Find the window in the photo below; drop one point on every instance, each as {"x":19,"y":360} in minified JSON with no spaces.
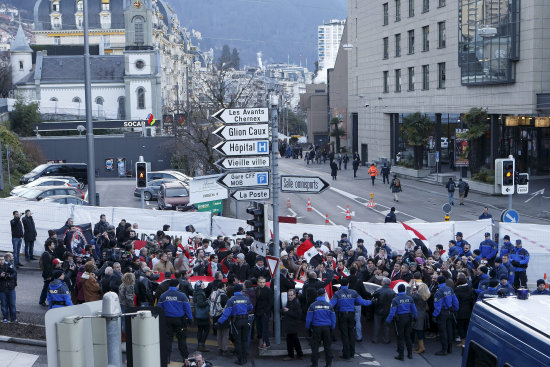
{"x":78,"y":21}
{"x":140,"y":64}
{"x":398,"y":45}
{"x":478,"y":355}
{"x":397,"y":10}
{"x":121,"y":112}
{"x":442,"y":3}
{"x":99,"y":100}
{"x":53,"y":99}
{"x":56,"y":22}
{"x":386,"y":13}
{"x":21,"y":65}
{"x":411,"y":42}
{"x":140,"y":98}
{"x":441,"y":75}
{"x":411,"y":78}
{"x":441,"y":32}
{"x":77,"y":100}
{"x":105,"y":20}
{"x":425,"y":77}
{"x":55,"y":6}
{"x":425,"y":6}
{"x":57,"y":40}
{"x":425,"y":38}
{"x":411,"y":8}
{"x":386,"y":47}
{"x":79,"y":5}
{"x":386,"y":82}
{"x":139,"y":35}
{"x":397,"y":80}
{"x":105,"y":6}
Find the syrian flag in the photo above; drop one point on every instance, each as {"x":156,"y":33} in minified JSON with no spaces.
{"x":415,"y":235}
{"x":307,"y":250}
{"x":329,"y":293}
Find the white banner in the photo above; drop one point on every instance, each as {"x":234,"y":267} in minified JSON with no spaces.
{"x":227,"y":226}
{"x":328,"y":233}
{"x":534,"y":238}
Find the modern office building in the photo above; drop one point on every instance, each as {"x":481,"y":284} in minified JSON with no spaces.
{"x":329,"y":35}
{"x":441,"y":58}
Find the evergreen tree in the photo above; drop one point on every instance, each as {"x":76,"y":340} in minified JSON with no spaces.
{"x":235,"y":59}
{"x":224,"y":61}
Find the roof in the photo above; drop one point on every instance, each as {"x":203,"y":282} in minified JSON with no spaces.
{"x":69,"y":69}
{"x":42,"y":20}
{"x":20,"y":43}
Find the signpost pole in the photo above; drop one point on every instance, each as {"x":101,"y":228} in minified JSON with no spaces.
{"x":276,"y":247}
{"x":88,"y":104}
{"x":509,"y":201}
{"x":142,"y":199}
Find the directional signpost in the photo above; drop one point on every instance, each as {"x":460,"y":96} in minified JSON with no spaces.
{"x":230,"y":163}
{"x":251,"y":194}
{"x":243,"y":147}
{"x":244,"y":179}
{"x":509,"y":216}
{"x":248,"y":131}
{"x":242,"y":115}
{"x":303,"y":184}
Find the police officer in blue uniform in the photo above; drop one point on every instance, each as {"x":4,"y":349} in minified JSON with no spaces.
{"x":58,"y":293}
{"x":321,"y":319}
{"x":519,"y":257}
{"x":176,"y":309}
{"x":445,"y":302}
{"x":507,"y":246}
{"x":237,"y":308}
{"x":541,"y":288}
{"x":488,"y":249}
{"x":404,"y":312}
{"x":490,"y":292}
{"x":344,"y":302}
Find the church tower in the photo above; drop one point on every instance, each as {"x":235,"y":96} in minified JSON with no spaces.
{"x":21,"y":57}
{"x":142,"y":63}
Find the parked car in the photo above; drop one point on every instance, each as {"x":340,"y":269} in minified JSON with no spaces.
{"x":76,"y":170}
{"x":173,"y":175}
{"x":152,"y":190}
{"x":173,"y":196}
{"x":48,"y":181}
{"x":65,"y":199}
{"x":41,"y":192}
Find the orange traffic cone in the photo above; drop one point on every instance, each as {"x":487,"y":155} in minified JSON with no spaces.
{"x":288,"y":203}
{"x":309,"y":205}
{"x":348,"y":214}
{"x":545,"y":281}
{"x":327,"y":221}
{"x":371,"y":203}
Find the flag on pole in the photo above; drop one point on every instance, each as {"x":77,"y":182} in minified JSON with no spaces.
{"x":307,"y":249}
{"x":151,"y":120}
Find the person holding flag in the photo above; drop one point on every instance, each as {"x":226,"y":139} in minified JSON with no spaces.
{"x":344,"y":302}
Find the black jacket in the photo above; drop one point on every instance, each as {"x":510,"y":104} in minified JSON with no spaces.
{"x":9,"y":280}
{"x":46,"y":258}
{"x":241,"y":272}
{"x":100,"y":227}
{"x":466,"y":300}
{"x":16,"y":228}
{"x":30,"y":229}
{"x":144,"y":291}
{"x":264,"y":301}
{"x":256,"y":272}
{"x":292,"y":318}
{"x":285,"y":284}
{"x":383,"y":297}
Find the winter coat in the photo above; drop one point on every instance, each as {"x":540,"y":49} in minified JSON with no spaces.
{"x":30,"y":229}
{"x":421,"y":307}
{"x":90,"y":287}
{"x":201,"y":307}
{"x":16,"y":228}
{"x":333,"y":169}
{"x":47,"y":258}
{"x":79,"y":288}
{"x":394,"y":187}
{"x":9,"y":280}
{"x":126,"y":295}
{"x":164,"y":267}
{"x":264,"y":301}
{"x":466,"y":300}
{"x":292,"y":318}
{"x":383,"y":297}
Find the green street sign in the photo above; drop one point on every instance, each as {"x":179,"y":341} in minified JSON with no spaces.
{"x":215,"y":207}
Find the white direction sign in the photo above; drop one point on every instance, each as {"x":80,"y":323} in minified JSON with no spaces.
{"x":243,"y":162}
{"x":252,"y":194}
{"x":242,"y":115}
{"x":244,"y":179}
{"x":247,"y":131}
{"x":206,"y":188}
{"x":305,"y":184}
{"x":243,"y":147}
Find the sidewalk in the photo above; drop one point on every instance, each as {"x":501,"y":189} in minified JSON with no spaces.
{"x":10,"y":358}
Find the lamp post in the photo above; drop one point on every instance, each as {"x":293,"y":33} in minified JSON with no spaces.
{"x":88,"y":104}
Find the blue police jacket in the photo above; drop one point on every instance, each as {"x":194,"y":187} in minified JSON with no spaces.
{"x":402,"y":304}
{"x":238,"y":305}
{"x":58,"y":294}
{"x":345,"y":299}
{"x":175,"y":303}
{"x":507,"y":249}
{"x":455,"y":251}
{"x":484,"y":280}
{"x":488,"y":293}
{"x":461,"y":243}
{"x":508,"y":288}
{"x":522,"y":257}
{"x":320,"y":313}
{"x":469,"y":253}
{"x":510,"y":271}
{"x":444,"y":299}
{"x":501,"y":271}
{"x":537,"y":292}
{"x":488,"y":249}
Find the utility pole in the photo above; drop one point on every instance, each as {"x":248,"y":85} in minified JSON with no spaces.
{"x":276,"y":247}
{"x":1,"y":168}
{"x":88,"y":104}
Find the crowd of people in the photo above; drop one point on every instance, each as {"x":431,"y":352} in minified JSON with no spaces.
{"x":224,"y":287}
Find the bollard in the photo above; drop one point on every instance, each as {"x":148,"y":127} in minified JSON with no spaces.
{"x":145,"y":340}
{"x":110,"y":311}
{"x":70,"y":342}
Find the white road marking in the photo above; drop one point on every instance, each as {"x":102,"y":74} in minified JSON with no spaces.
{"x":292,"y":212}
{"x":322,"y":215}
{"x":541,"y":192}
{"x":366,"y":355}
{"x":371,"y":363}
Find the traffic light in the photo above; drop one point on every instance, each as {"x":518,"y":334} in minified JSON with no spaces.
{"x":141,"y":174}
{"x":258,"y":222}
{"x":508,"y":176}
{"x":522,"y":182}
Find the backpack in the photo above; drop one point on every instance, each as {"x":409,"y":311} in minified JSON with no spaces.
{"x":216,"y":308}
{"x":396,"y":182}
{"x":452,"y":186}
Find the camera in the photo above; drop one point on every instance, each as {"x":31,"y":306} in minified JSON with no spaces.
{"x":192,"y":362}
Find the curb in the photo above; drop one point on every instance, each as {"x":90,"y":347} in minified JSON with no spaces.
{"x":34,"y":342}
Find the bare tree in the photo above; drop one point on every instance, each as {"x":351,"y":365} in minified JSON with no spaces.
{"x":5,"y":77}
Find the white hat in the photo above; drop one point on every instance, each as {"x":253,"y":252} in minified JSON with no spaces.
{"x":284,"y":253}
